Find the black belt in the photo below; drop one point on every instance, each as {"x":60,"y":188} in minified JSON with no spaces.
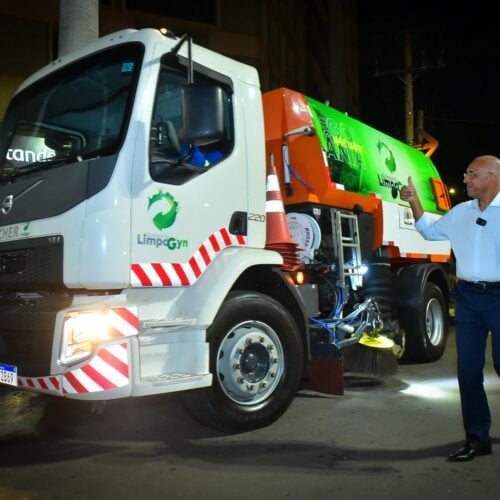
{"x":482,"y":285}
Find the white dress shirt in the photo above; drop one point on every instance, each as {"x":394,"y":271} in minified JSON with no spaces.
{"x":476,"y":247}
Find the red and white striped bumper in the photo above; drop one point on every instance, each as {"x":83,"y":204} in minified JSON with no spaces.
{"x":107,"y":370}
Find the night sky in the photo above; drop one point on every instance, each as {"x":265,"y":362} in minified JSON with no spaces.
{"x":456,"y":59}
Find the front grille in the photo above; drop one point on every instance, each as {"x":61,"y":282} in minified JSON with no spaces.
{"x":32,"y":264}
{"x":12,"y":263}
{"x":26,"y":330}
{"x":31,"y":293}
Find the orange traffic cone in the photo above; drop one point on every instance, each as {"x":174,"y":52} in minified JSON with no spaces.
{"x":278,"y":234}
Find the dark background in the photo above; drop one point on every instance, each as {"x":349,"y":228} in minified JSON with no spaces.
{"x":456,"y":55}
{"x":349,"y":52}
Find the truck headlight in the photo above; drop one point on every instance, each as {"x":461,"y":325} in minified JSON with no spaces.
{"x":82,"y":331}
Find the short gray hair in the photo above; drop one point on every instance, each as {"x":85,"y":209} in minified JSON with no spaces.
{"x":491,"y":161}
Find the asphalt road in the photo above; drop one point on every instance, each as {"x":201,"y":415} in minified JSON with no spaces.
{"x":384,"y":439}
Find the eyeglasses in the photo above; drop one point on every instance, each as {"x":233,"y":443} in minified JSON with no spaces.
{"x":473,"y":174}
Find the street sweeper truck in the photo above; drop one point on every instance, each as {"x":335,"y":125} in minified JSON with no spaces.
{"x":166,"y":228}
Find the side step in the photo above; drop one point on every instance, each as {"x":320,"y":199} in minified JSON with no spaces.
{"x":171,"y":382}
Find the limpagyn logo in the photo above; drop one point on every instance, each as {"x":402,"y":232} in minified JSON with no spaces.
{"x":166,"y":208}
{"x":163,"y":219}
{"x":391,"y":183}
{"x":390,"y":164}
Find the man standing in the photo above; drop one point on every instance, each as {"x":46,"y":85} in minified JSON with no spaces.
{"x":473,"y":229}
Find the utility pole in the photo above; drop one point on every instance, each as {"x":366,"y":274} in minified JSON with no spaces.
{"x":78,"y":24}
{"x":425,"y":141}
{"x":409,"y":116}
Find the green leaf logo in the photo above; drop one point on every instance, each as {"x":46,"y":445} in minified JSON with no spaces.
{"x":162,"y":220}
{"x":389,"y":160}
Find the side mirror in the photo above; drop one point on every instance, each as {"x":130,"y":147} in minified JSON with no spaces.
{"x":203,"y":116}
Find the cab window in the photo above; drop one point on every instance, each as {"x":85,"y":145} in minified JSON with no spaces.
{"x":174,"y":156}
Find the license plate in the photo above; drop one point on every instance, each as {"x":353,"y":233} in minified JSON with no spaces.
{"x":8,"y":375}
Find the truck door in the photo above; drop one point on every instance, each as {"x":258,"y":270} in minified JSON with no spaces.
{"x":189,"y":198}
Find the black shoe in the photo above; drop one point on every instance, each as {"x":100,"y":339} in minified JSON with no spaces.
{"x":470,"y":450}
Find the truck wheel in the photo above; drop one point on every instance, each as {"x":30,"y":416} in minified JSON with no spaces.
{"x":427,"y":327}
{"x":256,"y":357}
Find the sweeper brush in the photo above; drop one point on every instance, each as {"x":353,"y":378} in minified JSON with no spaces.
{"x":373,"y":355}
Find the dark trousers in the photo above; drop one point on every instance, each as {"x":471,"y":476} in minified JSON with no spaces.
{"x":477,"y":313}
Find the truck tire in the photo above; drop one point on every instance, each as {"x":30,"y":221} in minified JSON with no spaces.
{"x":256,"y":358}
{"x":426,"y":327}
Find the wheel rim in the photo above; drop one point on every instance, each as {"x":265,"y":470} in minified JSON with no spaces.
{"x":250,"y":362}
{"x":434,"y":322}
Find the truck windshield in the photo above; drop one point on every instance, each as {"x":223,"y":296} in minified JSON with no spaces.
{"x":78,"y":112}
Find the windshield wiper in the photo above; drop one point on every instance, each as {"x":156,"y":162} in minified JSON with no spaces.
{"x":42,"y":165}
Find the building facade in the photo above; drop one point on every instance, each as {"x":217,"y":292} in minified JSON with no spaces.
{"x":306,"y":45}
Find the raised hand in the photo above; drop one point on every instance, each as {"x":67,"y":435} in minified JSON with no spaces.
{"x":409,"y":193}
